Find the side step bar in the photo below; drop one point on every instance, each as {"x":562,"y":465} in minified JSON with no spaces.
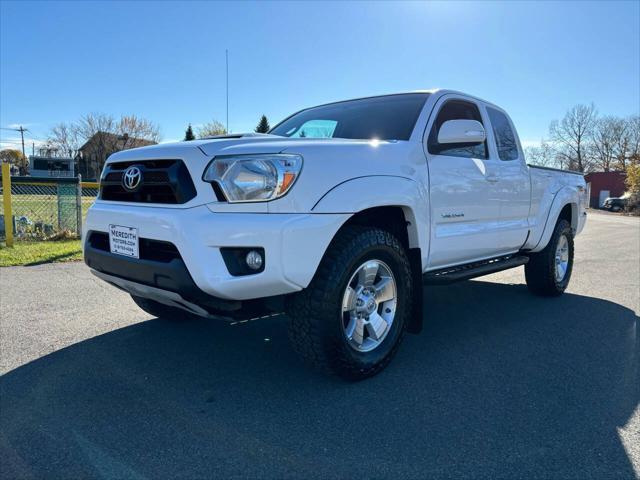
{"x":472,"y":270}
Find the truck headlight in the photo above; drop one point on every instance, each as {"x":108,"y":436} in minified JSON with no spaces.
{"x":254,"y":178}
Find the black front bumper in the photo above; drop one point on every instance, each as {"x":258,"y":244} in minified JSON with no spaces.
{"x":159,"y":266}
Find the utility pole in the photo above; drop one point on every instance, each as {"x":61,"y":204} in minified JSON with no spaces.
{"x":226,"y":55}
{"x":21,"y":130}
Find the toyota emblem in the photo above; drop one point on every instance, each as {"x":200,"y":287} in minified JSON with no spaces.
{"x":132,"y":178}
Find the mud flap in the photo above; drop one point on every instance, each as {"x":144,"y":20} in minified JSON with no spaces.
{"x":415,"y":321}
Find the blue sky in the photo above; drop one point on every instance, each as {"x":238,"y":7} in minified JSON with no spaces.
{"x":165,"y":61}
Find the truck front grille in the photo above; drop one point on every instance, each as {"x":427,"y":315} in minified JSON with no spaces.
{"x":163,"y":181}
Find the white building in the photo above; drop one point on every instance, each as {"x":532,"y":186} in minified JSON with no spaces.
{"x":49,"y":166}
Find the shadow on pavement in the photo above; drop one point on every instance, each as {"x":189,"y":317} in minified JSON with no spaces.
{"x":500,"y":384}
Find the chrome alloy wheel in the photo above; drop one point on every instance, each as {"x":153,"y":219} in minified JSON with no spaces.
{"x":562,"y":258}
{"x":369,"y":305}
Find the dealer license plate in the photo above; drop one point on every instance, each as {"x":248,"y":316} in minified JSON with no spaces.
{"x":124,"y":240}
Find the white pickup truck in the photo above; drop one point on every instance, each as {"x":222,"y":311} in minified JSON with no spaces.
{"x":337,"y":217}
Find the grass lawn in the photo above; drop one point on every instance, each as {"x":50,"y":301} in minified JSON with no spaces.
{"x":43,"y":208}
{"x":34,"y":253}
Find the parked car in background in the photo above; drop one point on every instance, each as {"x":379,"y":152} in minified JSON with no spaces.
{"x":336,"y":217}
{"x":615,"y":204}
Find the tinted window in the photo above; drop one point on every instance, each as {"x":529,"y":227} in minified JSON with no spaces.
{"x":390,"y":117}
{"x":40,"y":165}
{"x":316,"y":129}
{"x":505,"y":138}
{"x":456,"y":110}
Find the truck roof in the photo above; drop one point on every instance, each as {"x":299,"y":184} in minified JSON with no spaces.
{"x":441,"y":91}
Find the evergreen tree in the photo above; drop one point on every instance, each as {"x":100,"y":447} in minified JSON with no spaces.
{"x":263,"y":125}
{"x":188,"y":135}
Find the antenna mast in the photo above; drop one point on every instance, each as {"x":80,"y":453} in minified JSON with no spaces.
{"x":226,"y":55}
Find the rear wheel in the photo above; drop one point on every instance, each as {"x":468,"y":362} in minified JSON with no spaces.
{"x":159,"y":310}
{"x":549,"y":271}
{"x":351,"y":319}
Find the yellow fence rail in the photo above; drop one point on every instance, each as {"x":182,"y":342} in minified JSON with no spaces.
{"x":6,"y":204}
{"x":44,"y":208}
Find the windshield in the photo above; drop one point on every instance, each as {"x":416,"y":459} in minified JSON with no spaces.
{"x":391,"y":117}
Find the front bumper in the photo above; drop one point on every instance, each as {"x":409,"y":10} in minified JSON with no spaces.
{"x":294,"y":245}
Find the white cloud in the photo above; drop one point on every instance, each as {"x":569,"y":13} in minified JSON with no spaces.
{"x":23,"y":125}
{"x":16,"y":143}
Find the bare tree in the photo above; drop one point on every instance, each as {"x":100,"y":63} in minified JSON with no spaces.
{"x":542,"y":155}
{"x":570,"y":136}
{"x":608,"y":142}
{"x":632,"y":143}
{"x":106,"y":136}
{"x":211,"y":129}
{"x":131,"y":128}
{"x":63,"y":138}
{"x":99,"y":128}
{"x":615,"y":143}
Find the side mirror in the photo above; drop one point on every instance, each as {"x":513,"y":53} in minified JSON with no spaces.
{"x":468,"y":132}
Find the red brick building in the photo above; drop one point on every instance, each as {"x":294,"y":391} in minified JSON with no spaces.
{"x":604,"y":184}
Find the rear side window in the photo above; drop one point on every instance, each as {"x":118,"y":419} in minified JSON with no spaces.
{"x":456,"y":110}
{"x":505,"y":138}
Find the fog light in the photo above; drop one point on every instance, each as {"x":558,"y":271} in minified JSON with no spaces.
{"x":254,"y":260}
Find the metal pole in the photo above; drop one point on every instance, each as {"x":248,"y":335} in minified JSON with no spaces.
{"x":59,"y":203}
{"x":22,"y":135}
{"x":6,"y":201}
{"x":226,"y":54}
{"x":79,"y":206}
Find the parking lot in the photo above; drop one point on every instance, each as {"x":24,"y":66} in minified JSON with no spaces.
{"x":501,"y":384}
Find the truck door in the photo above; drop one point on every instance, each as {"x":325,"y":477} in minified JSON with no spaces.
{"x":513,"y":188}
{"x":463,"y":203}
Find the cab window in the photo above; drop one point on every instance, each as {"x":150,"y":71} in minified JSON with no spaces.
{"x":503,"y":133}
{"x":456,"y":110}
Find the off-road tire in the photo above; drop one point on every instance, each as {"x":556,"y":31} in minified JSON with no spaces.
{"x":160,"y":310}
{"x":540,"y":270}
{"x":315,"y":314}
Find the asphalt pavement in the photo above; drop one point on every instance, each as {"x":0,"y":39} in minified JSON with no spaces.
{"x":501,"y":384}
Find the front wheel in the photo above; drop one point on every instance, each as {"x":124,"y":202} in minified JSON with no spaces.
{"x":549,"y":271}
{"x":351,"y":319}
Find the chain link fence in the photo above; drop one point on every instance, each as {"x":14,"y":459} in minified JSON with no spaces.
{"x":89,"y":193}
{"x":47,"y":208}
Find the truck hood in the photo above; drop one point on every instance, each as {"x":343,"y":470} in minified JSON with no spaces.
{"x":327,"y":163}
{"x":242,"y":143}
{"x":265,"y":143}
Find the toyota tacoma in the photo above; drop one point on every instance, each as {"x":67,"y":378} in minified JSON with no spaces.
{"x":337,"y":217}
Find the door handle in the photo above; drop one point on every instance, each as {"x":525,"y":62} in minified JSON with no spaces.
{"x":491,"y":178}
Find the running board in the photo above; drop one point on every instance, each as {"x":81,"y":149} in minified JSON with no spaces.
{"x":472,"y":270}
